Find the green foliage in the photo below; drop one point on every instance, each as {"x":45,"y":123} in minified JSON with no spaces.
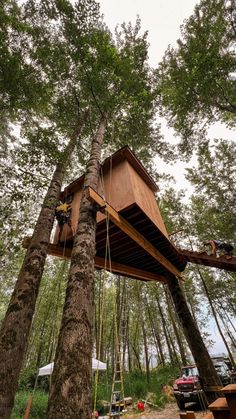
{"x":39,"y":406}
{"x":196,"y":80}
{"x":134,"y":383}
{"x":215,"y":198}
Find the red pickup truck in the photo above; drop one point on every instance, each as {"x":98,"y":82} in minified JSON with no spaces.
{"x":187,"y":388}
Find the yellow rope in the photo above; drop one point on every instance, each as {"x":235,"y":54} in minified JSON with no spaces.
{"x":107,"y":261}
{"x":104,"y":276}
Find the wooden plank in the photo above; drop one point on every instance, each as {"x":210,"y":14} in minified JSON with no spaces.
{"x":131,"y":231}
{"x":128,"y":271}
{"x":202,"y":258}
{"x":219,"y":404}
{"x":230,"y":388}
{"x":208,"y":416}
{"x":28,"y":407}
{"x":190,"y":414}
{"x":212,"y":389}
{"x":118,"y":268}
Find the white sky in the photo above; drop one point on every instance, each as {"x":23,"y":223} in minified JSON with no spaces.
{"x":162,"y":19}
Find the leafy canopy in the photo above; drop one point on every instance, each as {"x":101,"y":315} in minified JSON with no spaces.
{"x":197,"y":80}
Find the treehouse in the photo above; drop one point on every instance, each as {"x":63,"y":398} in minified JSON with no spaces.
{"x":139,"y":246}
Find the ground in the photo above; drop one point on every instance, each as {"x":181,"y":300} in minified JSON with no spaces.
{"x":171,"y":411}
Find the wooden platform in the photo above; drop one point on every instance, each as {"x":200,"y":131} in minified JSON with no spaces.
{"x":202,"y":258}
{"x":129,"y":257}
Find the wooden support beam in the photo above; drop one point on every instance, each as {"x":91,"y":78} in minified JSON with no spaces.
{"x":127,"y":228}
{"x":227,"y":263}
{"x":128,"y":270}
{"x":99,"y":263}
{"x":187,"y":415}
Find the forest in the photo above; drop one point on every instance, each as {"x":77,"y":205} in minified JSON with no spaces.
{"x":72,"y":94}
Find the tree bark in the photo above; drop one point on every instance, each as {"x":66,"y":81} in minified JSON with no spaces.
{"x":171,"y":355}
{"x":176,"y":331}
{"x":200,"y":354}
{"x":156,"y":333}
{"x":215,"y":317}
{"x":17,"y":322}
{"x":71,"y":389}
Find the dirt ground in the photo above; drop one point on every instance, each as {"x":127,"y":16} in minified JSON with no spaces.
{"x":171,"y":411}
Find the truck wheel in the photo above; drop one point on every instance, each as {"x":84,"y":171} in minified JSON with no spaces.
{"x":180,"y":404}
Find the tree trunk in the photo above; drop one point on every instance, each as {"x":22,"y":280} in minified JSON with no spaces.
{"x":145,"y":344}
{"x":156,"y":333}
{"x":171,"y":355}
{"x":176,"y":331}
{"x":200,"y":354}
{"x":216,"y":318}
{"x":71,"y":389}
{"x":17,"y":322}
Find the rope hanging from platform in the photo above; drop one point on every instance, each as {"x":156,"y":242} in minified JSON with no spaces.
{"x":104,"y":277}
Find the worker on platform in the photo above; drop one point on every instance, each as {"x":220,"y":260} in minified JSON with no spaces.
{"x":220,"y":247}
{"x":62,"y":213}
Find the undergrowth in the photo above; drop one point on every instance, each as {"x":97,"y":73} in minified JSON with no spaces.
{"x":135,"y":386}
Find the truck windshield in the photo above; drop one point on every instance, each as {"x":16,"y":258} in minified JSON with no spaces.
{"x":190,"y":372}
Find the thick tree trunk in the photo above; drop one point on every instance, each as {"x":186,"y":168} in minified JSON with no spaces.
{"x":17,"y":322}
{"x":71,"y":389}
{"x":200,"y":354}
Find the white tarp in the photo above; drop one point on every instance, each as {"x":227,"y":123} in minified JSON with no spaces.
{"x":96,"y":364}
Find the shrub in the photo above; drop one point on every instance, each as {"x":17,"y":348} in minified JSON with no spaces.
{"x":39,"y":405}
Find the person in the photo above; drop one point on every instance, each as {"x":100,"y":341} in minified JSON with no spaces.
{"x":217,"y":245}
{"x":62,"y":214}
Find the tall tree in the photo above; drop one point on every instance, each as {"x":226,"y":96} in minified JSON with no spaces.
{"x":196,"y":80}
{"x":17,"y":322}
{"x":52,"y":55}
{"x":121,"y":88}
{"x":200,"y":354}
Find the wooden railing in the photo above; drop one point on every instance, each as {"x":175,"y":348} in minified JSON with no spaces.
{"x":221,"y":408}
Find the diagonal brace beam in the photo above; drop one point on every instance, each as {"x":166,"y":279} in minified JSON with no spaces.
{"x":127,"y":228}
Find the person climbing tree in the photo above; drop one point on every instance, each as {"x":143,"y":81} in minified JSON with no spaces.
{"x":217,"y":245}
{"x":63,"y":213}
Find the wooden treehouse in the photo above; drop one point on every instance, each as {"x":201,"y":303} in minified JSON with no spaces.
{"x":139,"y":245}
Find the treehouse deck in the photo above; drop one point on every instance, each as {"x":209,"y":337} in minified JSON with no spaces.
{"x":139,"y":245}
{"x":228,"y":263}
{"x":131,"y":257}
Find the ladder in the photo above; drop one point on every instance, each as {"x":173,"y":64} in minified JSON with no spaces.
{"x":117,"y":404}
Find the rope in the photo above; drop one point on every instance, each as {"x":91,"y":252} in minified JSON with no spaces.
{"x":104,"y":276}
{"x":99,"y":339}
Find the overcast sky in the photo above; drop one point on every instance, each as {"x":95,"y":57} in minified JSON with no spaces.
{"x":162,"y":19}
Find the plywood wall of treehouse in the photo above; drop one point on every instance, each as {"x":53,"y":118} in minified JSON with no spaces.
{"x":121,"y":187}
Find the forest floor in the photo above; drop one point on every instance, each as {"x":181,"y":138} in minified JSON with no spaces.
{"x":171,"y":411}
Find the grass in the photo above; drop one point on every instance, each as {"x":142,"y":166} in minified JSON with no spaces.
{"x":39,"y":405}
{"x":135,"y":385}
